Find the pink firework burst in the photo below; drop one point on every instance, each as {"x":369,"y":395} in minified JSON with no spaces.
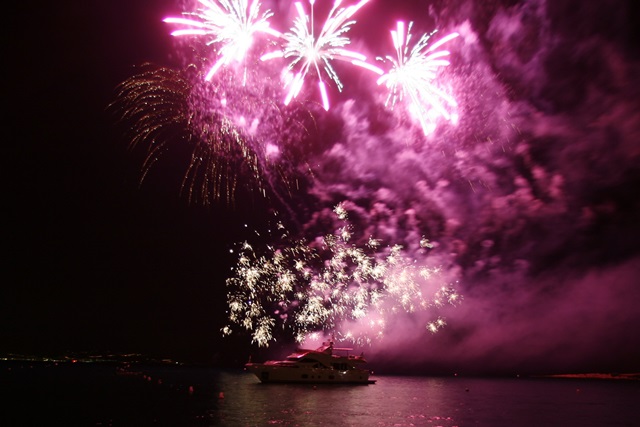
{"x":231,"y":25}
{"x":311,"y":52}
{"x":412,"y":77}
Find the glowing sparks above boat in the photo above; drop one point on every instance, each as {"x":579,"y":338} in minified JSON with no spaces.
{"x":311,"y":52}
{"x":231,"y":25}
{"x":413,"y":74}
{"x":336,"y":287}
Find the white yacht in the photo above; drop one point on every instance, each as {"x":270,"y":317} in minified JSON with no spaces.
{"x":326,"y":365}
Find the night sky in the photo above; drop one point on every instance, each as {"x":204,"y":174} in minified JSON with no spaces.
{"x":531,"y":199}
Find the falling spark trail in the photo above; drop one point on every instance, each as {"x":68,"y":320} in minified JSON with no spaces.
{"x":167,"y":111}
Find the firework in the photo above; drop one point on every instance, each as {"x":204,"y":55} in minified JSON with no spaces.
{"x":334,"y":286}
{"x":310,"y":52}
{"x":229,"y":24}
{"x":212,"y":127}
{"x":413,"y":74}
{"x":152,"y":105}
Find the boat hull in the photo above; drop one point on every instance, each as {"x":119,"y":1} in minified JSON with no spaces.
{"x":296,"y":374}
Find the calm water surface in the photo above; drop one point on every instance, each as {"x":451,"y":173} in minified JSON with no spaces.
{"x":97,"y":395}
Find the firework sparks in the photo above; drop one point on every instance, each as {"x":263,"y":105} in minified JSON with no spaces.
{"x":231,"y":25}
{"x":412,"y":76}
{"x":155,"y":105}
{"x":337,"y":287}
{"x":311,"y":52}
{"x":205,"y":125}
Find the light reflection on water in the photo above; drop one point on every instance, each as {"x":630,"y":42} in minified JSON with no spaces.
{"x":393,"y":401}
{"x":422,"y":401}
{"x":95,"y":395}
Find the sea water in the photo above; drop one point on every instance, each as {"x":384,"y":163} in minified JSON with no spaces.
{"x":65,"y":394}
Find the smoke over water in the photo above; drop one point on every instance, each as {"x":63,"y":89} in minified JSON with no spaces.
{"x":529,"y":201}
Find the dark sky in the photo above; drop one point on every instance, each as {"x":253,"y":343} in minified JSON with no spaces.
{"x":532,"y":198}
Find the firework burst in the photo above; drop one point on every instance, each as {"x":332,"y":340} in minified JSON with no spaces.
{"x":230,"y":25}
{"x":412,"y":77}
{"x":217,"y":125}
{"x":310,"y":52}
{"x":329,"y":285}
